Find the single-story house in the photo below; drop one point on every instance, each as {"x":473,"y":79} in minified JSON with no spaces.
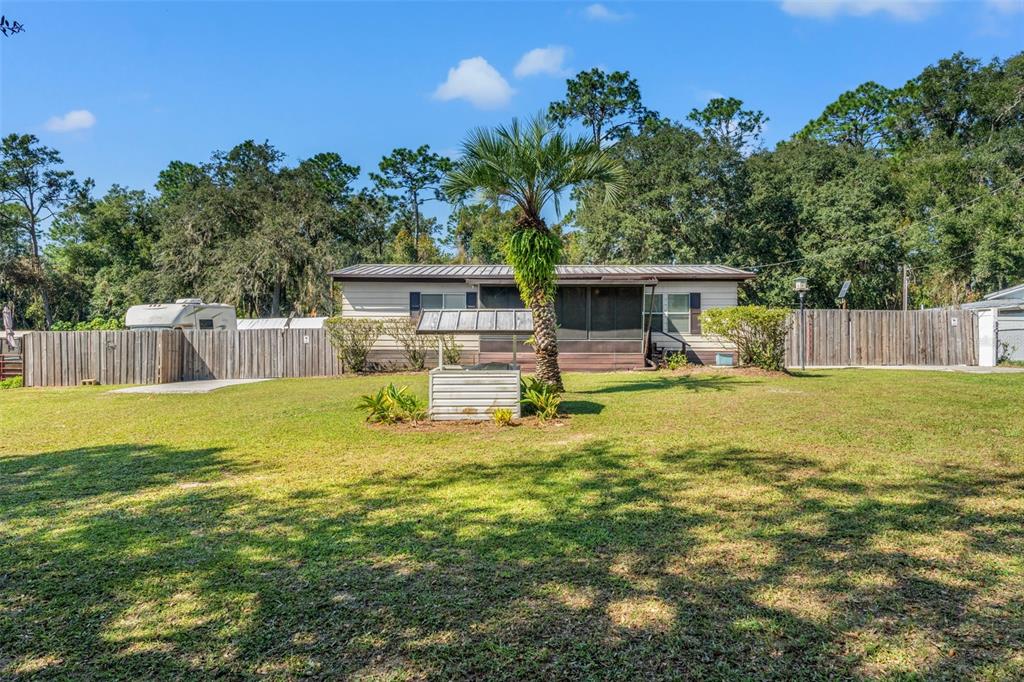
{"x":1000,"y":325}
{"x":609,"y":316}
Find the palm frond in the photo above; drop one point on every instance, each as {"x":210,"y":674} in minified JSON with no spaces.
{"x":530,"y":164}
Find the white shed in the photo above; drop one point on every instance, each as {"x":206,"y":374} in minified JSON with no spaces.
{"x":1000,"y":325}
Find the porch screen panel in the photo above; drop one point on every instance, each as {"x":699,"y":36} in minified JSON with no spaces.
{"x":500,"y":297}
{"x":616,"y":312}
{"x":571,"y":312}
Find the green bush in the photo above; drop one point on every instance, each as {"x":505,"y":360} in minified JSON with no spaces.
{"x":414,"y":346}
{"x":540,"y":398}
{"x":13,"y":382}
{"x":97,"y":324}
{"x":676,"y":360}
{"x":391,"y":405}
{"x":353,"y":339}
{"x":451,"y":350}
{"x":758,"y":332}
{"x":502,"y":416}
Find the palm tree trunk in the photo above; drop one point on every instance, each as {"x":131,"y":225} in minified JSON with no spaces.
{"x":545,"y":345}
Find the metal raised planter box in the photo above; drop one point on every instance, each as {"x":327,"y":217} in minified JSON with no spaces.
{"x":474,"y":393}
{"x":471,"y":393}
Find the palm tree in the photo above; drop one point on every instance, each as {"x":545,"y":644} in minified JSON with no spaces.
{"x":526,"y":166}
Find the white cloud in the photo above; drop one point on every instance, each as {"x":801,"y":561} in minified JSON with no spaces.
{"x":477,"y":82}
{"x":1006,"y":6}
{"x":599,"y":12}
{"x":905,"y":10}
{"x":708,"y":95}
{"x":548,"y":60}
{"x":79,"y":119}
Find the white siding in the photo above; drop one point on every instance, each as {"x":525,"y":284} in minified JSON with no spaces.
{"x":384,"y":300}
{"x":712,"y":295}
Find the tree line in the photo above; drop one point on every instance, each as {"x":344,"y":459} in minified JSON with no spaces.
{"x":928,"y":176}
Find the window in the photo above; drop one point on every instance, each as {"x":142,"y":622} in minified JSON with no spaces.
{"x":678,"y":313}
{"x":443,"y":301}
{"x":654,"y":304}
{"x":206,"y":324}
{"x":432,"y":301}
{"x":670,"y":313}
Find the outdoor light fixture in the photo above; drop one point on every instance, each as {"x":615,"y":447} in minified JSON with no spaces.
{"x":801,"y":287}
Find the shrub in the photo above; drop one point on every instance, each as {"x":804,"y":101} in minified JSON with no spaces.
{"x":540,"y":398}
{"x":676,"y":360}
{"x":353,"y":339}
{"x":391,"y":405}
{"x":758,"y":332}
{"x":451,"y":350}
{"x":414,"y":346}
{"x":96,"y":324}
{"x":502,"y":416}
{"x":13,"y":382}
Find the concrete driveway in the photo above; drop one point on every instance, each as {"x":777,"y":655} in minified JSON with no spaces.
{"x":188,"y":386}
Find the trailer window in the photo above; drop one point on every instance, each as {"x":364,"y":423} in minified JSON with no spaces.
{"x":206,"y":324}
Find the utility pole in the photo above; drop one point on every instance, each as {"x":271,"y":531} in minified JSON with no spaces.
{"x":906,"y":286}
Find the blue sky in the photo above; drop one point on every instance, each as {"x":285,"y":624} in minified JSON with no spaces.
{"x":123,"y":88}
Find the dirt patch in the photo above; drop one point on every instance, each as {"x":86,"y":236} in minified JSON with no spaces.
{"x":456,"y":426}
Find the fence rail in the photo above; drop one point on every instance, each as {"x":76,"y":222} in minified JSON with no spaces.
{"x":154,"y":357}
{"x":941,"y":336}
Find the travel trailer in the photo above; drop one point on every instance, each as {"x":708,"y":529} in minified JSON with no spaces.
{"x":185,"y":313}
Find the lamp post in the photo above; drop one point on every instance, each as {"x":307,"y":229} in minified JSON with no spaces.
{"x":801,"y":287}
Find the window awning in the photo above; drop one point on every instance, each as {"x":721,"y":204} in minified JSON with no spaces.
{"x":502,"y":321}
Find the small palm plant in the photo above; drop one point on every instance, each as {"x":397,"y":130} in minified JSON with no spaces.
{"x":391,"y":405}
{"x":527,"y":166}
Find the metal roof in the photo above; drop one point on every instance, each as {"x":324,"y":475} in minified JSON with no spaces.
{"x":370,"y":272}
{"x":476,"y":321}
{"x":281,"y":323}
{"x":1005,"y":293}
{"x":996,"y":304}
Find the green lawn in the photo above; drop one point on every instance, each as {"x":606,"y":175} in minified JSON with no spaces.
{"x":833,"y":525}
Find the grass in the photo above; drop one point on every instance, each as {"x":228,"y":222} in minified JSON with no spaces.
{"x":833,"y":525}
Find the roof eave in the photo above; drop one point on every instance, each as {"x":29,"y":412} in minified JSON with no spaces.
{"x":577,"y":279}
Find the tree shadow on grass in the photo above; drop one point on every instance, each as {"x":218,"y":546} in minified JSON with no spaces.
{"x":581,"y":407}
{"x":49,"y":481}
{"x":593,"y":563}
{"x":711,"y":382}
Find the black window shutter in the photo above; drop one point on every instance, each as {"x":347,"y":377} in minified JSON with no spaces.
{"x":414,"y":302}
{"x":695,"y":313}
{"x":470,"y":299}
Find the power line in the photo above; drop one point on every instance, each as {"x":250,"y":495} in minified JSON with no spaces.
{"x":897,"y":232}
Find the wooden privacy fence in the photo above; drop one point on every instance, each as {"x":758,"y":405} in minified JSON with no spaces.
{"x":940,"y":336}
{"x":157,"y":357}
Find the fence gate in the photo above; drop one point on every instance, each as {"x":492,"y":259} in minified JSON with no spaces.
{"x":843,"y":338}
